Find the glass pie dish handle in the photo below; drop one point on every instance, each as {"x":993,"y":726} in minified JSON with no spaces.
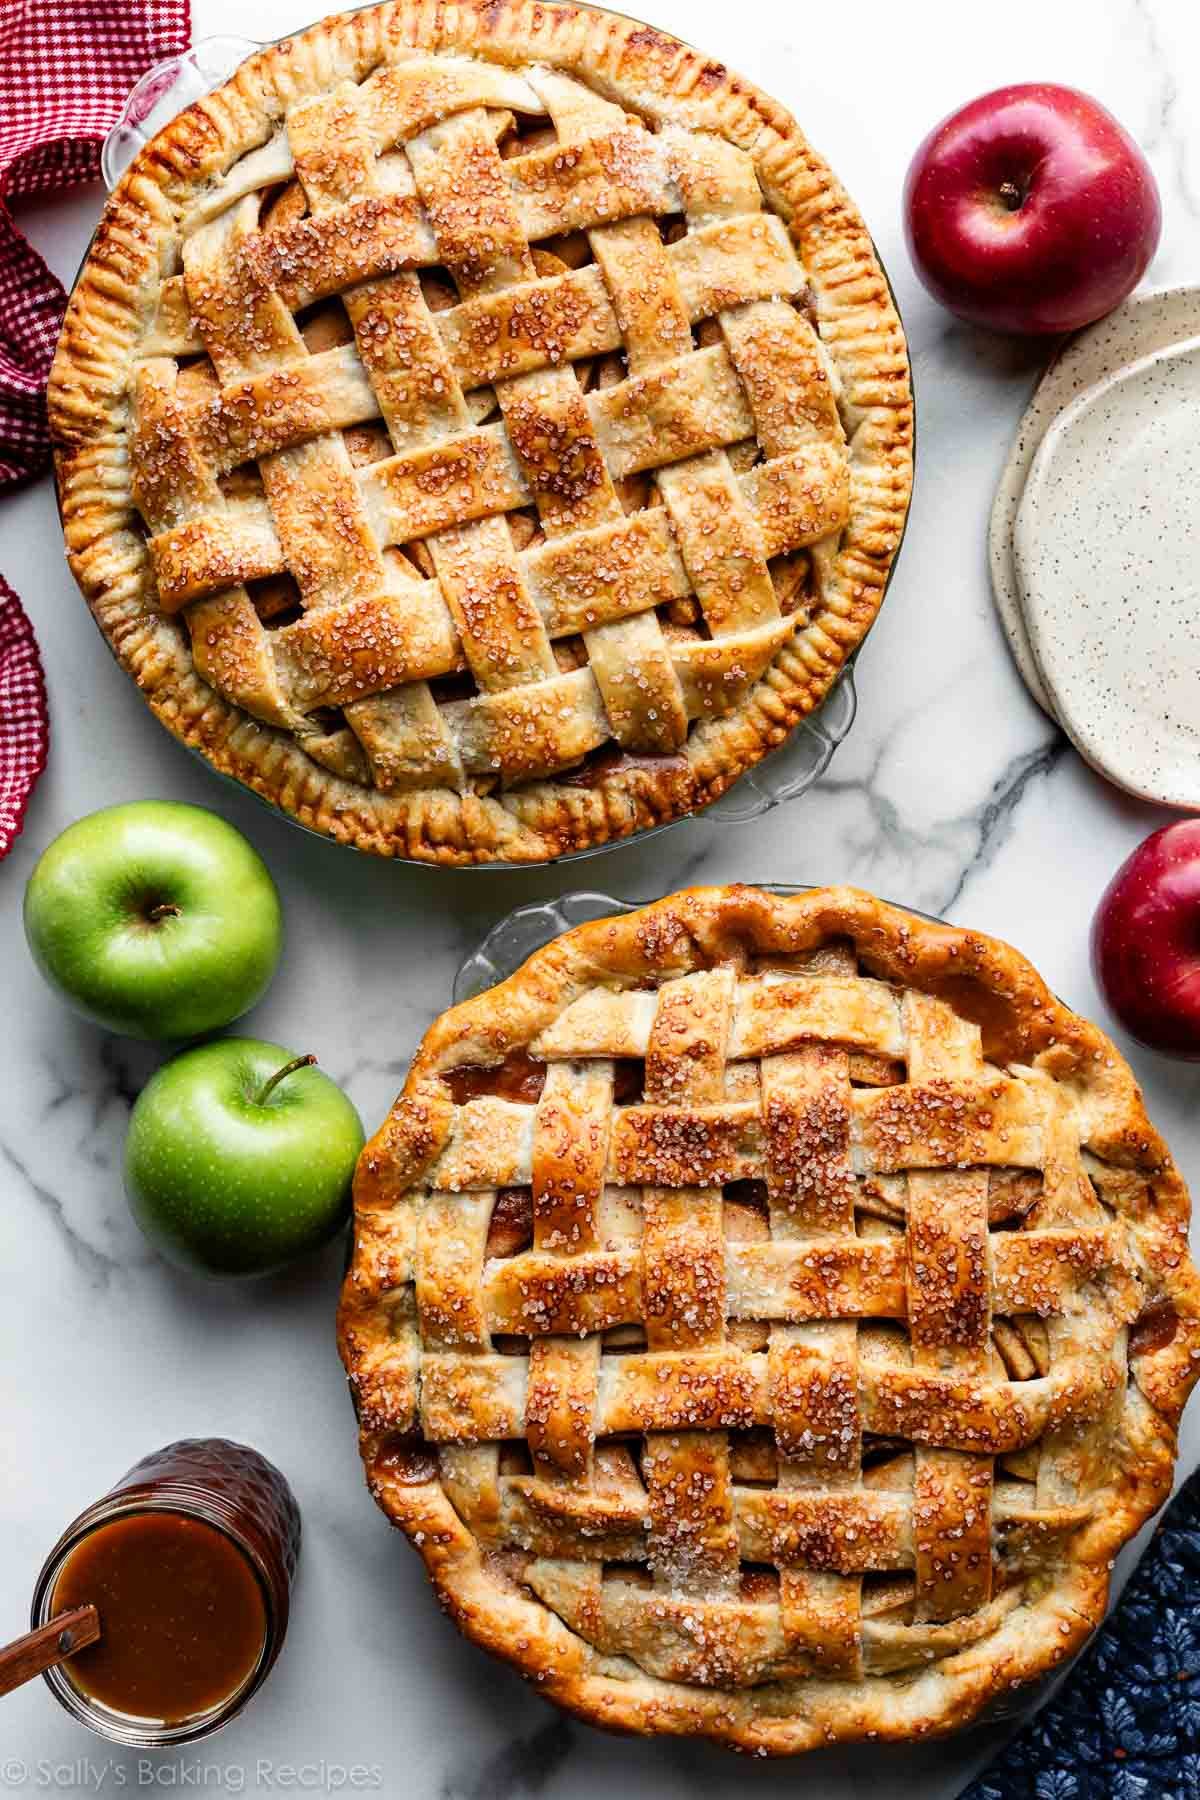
{"x":797,"y":765}
{"x":164,"y":91}
{"x":528,"y":928}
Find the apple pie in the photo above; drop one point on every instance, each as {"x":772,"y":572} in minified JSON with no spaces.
{"x":769,"y":1317}
{"x":484,"y":430}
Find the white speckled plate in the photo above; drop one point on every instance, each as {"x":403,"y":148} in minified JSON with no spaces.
{"x":1140,"y":325}
{"x":1107,"y":551}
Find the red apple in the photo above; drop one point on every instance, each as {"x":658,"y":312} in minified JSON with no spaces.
{"x":1146,"y":941}
{"x":1031,"y":210}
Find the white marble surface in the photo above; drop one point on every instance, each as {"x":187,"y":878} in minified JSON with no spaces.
{"x":953,"y":793}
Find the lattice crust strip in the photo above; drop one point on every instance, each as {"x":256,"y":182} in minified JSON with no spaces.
{"x":792,"y":1292}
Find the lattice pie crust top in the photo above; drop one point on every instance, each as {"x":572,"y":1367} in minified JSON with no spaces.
{"x":769,"y":1317}
{"x":484,"y":429}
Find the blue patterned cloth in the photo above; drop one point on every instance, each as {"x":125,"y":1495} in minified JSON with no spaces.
{"x":1125,"y":1725}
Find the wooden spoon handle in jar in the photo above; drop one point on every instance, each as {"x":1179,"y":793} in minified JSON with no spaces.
{"x":60,"y":1637}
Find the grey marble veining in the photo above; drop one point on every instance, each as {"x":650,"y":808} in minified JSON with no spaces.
{"x":953,"y":793}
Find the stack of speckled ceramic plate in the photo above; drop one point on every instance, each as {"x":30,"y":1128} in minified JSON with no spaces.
{"x":1094,"y":545}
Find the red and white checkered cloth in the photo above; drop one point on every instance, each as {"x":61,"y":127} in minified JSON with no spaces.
{"x":24,"y":726}
{"x":65,"y":69}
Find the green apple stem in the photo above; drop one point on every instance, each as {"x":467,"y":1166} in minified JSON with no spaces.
{"x":163,"y":909}
{"x":268,"y":1087}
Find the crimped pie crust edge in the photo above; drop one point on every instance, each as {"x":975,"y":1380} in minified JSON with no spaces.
{"x":648,"y":71}
{"x":985,"y":980}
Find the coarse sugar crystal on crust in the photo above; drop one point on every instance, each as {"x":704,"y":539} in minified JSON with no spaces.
{"x":485,"y":430}
{"x":768,"y":1318}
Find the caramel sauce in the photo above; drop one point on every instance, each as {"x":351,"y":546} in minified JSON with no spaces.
{"x":400,"y":1459}
{"x":869,"y":1070}
{"x":1012,"y":1195}
{"x":1153,"y":1329}
{"x":629,"y":1080}
{"x":622,"y":762}
{"x":521,"y":1077}
{"x":759,"y":1586}
{"x":510,"y":1229}
{"x":182,"y":1617}
{"x":518,"y":1077}
{"x":457,"y":686}
{"x":747,"y":1193}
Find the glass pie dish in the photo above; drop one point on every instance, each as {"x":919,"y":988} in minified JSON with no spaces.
{"x":784,"y":774}
{"x":525,"y":931}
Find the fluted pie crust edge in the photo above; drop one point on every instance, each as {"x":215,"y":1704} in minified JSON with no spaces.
{"x":108,"y":315}
{"x":1125,"y":1465}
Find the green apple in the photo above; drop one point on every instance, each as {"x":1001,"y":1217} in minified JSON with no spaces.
{"x":239,"y":1158}
{"x":154,"y":919}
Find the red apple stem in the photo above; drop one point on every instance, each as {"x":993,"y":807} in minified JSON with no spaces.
{"x":268,"y":1087}
{"x":1011,"y":195}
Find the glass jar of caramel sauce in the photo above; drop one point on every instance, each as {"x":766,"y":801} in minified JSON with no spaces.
{"x":189,"y":1560}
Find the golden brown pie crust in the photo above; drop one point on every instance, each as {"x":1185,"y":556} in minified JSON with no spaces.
{"x":756,"y":326}
{"x":769,"y":1317}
